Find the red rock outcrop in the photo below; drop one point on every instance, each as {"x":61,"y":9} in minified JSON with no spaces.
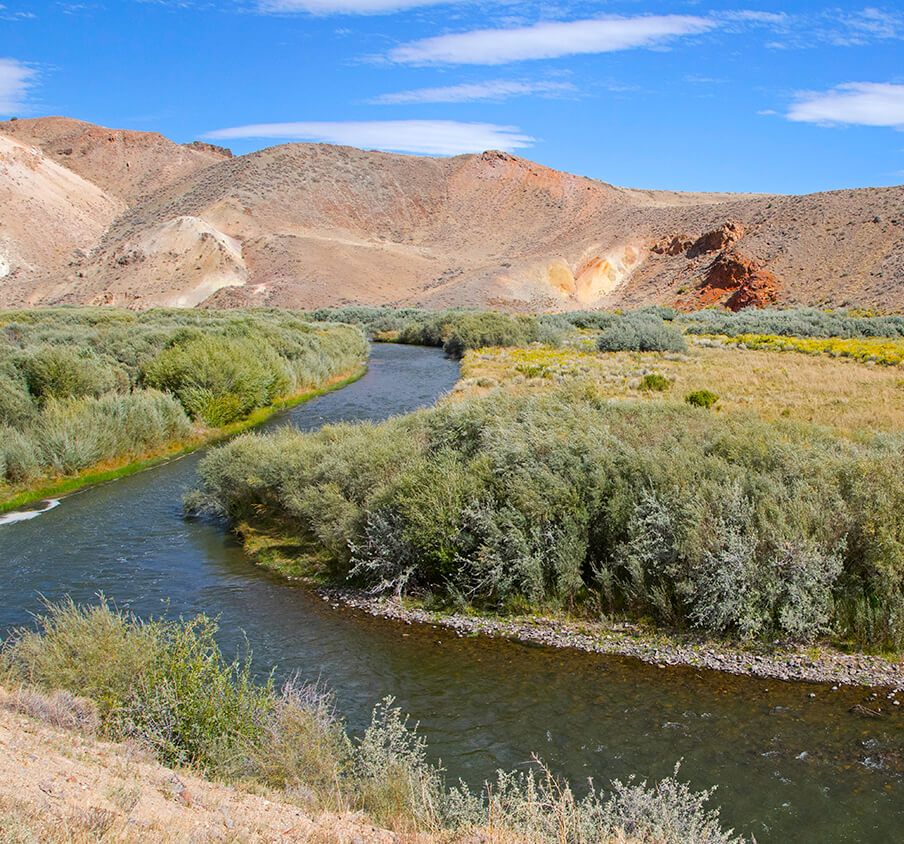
{"x":716,"y":240}
{"x":749,"y":284}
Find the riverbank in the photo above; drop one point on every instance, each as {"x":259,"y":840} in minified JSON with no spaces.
{"x":203,"y":436}
{"x":813,"y":664}
{"x":66,"y":785}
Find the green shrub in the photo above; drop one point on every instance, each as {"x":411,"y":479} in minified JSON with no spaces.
{"x":655,"y":382}
{"x":392,"y":775}
{"x":641,"y":332}
{"x":73,"y":435}
{"x":701,"y":398}
{"x":18,"y":461}
{"x":303,"y":747}
{"x":475,"y":330}
{"x":57,"y":372}
{"x":93,"y":651}
{"x":16,"y":405}
{"x":220,"y":379}
{"x":653,"y":510}
{"x":189,"y":704}
{"x":163,"y":683}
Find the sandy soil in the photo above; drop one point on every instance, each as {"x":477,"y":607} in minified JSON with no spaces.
{"x":65,"y":785}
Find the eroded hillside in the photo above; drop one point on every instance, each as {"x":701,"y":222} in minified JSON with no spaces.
{"x":306,"y":225}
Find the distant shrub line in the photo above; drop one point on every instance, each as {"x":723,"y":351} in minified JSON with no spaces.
{"x":793,"y":322}
{"x":81,"y":386}
{"x":660,"y":511}
{"x":166,"y":685}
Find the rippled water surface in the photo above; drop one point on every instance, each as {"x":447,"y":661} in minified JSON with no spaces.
{"x":790,"y":767}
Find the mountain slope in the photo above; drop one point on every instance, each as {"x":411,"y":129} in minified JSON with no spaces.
{"x":125,"y":164}
{"x":49,"y":219}
{"x":304,"y":225}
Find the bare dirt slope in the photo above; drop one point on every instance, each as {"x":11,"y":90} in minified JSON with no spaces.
{"x":50,"y":218}
{"x":59,"y":785}
{"x":304,"y":225}
{"x":125,"y":164}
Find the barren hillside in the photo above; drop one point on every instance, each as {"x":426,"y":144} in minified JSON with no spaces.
{"x":305,"y":225}
{"x":125,"y":164}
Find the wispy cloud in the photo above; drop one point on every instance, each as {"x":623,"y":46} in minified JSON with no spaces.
{"x":550,"y":40}
{"x":10,"y":15}
{"x":860,"y":103}
{"x":495,"y":89}
{"x":342,"y":7}
{"x":15,"y":79}
{"x":833,"y":26}
{"x":426,"y":137}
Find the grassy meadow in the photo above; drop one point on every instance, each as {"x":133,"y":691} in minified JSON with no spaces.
{"x":87,"y":391}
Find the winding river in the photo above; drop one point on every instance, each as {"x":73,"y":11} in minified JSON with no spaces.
{"x":792,"y":763}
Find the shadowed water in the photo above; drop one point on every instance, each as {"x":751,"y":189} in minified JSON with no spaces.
{"x":790,"y":767}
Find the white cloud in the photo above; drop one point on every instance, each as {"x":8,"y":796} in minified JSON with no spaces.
{"x":862,"y":103}
{"x":426,"y":137}
{"x":550,"y":40}
{"x":496,"y":89}
{"x":342,"y":7}
{"x":15,"y":78}
{"x":9,"y":15}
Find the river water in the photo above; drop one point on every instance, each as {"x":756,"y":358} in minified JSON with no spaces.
{"x":791,"y":761}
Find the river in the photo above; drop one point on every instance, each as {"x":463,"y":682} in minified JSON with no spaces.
{"x":791,"y":761}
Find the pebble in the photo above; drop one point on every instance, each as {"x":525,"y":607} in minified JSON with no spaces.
{"x":624,"y":639}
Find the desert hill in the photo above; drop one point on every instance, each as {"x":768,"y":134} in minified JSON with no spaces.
{"x":305,"y":225}
{"x":125,"y":164}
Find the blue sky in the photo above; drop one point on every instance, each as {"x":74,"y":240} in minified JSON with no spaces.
{"x":746,"y":96}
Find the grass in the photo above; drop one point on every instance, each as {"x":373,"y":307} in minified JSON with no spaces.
{"x":203,"y":436}
{"x":165,"y":685}
{"x":838,"y":392}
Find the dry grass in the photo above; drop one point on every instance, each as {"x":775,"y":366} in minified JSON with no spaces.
{"x":60,"y":786}
{"x":838,"y":392}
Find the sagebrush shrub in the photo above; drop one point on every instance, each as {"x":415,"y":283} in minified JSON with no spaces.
{"x":701,"y":398}
{"x":649,"y":509}
{"x":641,"y":332}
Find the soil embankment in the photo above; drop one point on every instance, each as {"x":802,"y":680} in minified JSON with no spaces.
{"x":64,"y":785}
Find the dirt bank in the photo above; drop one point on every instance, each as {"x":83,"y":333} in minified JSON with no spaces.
{"x":65,"y":785}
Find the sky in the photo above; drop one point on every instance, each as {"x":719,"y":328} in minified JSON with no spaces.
{"x":753,"y":96}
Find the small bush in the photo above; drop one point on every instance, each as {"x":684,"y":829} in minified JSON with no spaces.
{"x":641,"y":332}
{"x":655,"y":382}
{"x":701,"y":398}
{"x":220,"y":379}
{"x":393,"y":778}
{"x":302,"y":747}
{"x":58,"y":708}
{"x":57,"y":372}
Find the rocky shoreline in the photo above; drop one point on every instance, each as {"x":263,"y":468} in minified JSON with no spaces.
{"x":817,"y":664}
